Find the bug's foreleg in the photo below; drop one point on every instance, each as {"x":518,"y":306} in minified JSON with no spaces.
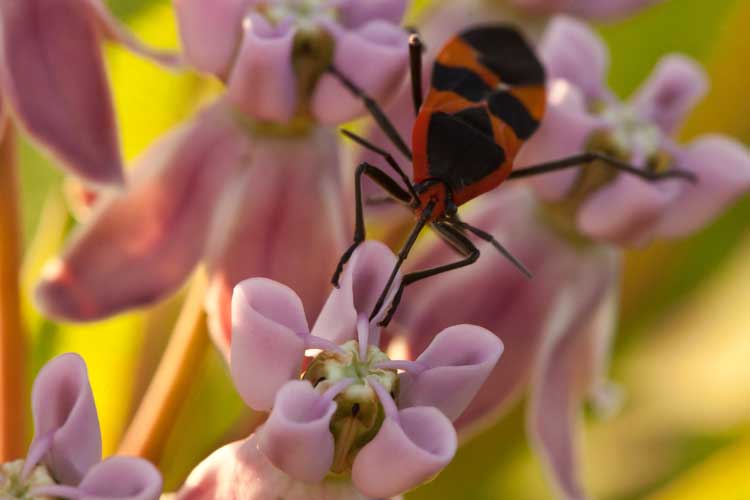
{"x":459,"y":242}
{"x":389,"y":186}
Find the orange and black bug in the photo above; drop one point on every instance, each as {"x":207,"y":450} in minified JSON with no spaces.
{"x":487,"y":97}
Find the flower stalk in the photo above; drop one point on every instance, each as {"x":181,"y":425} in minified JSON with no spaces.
{"x":148,"y":432}
{"x":12,"y":368}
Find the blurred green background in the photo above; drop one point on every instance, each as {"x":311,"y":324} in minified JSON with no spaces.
{"x":683,"y":349}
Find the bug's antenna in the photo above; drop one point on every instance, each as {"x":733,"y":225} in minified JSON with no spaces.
{"x":492,"y":241}
{"x":386,"y":156}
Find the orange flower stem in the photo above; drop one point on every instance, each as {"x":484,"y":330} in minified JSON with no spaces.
{"x":148,"y":432}
{"x":12,"y":340}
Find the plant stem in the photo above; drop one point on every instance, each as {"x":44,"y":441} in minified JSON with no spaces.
{"x":12,"y":349}
{"x":160,"y":406}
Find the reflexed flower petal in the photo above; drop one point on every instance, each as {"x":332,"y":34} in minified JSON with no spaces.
{"x":63,"y":407}
{"x":384,"y":47}
{"x":239,"y":471}
{"x":625,"y":211}
{"x":570,"y":50}
{"x":361,"y":283}
{"x":565,"y":128}
{"x":571,"y":365}
{"x":210,"y":32}
{"x":140,"y":245}
{"x":282,"y":219}
{"x":674,"y":87}
{"x":268,"y":322}
{"x":122,"y":478}
{"x":262,"y":82}
{"x":354,"y":13}
{"x":723,"y":169}
{"x":61,"y":38}
{"x":458,"y":362}
{"x":405,"y":453}
{"x":296,"y":437}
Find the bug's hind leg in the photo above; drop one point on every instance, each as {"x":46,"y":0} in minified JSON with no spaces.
{"x":459,"y":242}
{"x":389,"y":186}
{"x":582,"y":159}
{"x":416,"y":49}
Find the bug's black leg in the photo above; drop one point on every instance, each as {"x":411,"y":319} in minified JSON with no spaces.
{"x":578,"y":160}
{"x":386,"y":156}
{"x":459,"y":242}
{"x":389,"y":186}
{"x":492,"y":241}
{"x":402,"y":254}
{"x":416,"y":48}
{"x":377,"y":113}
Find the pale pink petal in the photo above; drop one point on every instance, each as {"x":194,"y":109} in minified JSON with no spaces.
{"x":239,"y":471}
{"x":122,"y":478}
{"x":211,"y":32}
{"x":457,"y":362}
{"x":565,"y":129}
{"x":405,"y":452}
{"x":63,"y":408}
{"x":282,"y":219}
{"x":384,"y":47}
{"x":723,"y":169}
{"x":354,"y":13}
{"x":570,"y":50}
{"x":138,"y":246}
{"x":268,"y":325}
{"x":262,"y":82}
{"x":627,"y":211}
{"x":361,"y":284}
{"x":296,"y":437}
{"x":54,"y":78}
{"x":571,"y":365}
{"x":670,"y":93}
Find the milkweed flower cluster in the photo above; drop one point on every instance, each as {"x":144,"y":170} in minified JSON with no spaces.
{"x":354,"y":412}
{"x":257,"y":164}
{"x":65,"y":457}
{"x":251,"y":186}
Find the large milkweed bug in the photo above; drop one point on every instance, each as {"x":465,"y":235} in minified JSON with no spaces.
{"x":487,"y":97}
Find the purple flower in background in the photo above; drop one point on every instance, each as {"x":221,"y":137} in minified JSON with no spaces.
{"x":52,"y":76}
{"x":354,"y":412}
{"x":584,"y":8}
{"x":251,"y":183}
{"x":64,"y":458}
{"x":583,"y":115}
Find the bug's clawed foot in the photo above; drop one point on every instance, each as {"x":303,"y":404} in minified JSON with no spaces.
{"x":342,"y":262}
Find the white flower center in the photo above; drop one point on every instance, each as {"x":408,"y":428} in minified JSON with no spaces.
{"x":632,"y":134}
{"x":15,"y":487}
{"x":303,"y":12}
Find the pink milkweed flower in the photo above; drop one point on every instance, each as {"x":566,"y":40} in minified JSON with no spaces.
{"x":272,"y":55}
{"x":64,"y":458}
{"x":251,"y":183}
{"x":52,"y":77}
{"x":569,"y":228}
{"x":584,"y":8}
{"x":352,"y":412}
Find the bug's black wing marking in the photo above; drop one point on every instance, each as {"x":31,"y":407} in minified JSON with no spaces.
{"x":503,"y":50}
{"x":460,"y":81}
{"x":460,"y":147}
{"x":512,"y":111}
